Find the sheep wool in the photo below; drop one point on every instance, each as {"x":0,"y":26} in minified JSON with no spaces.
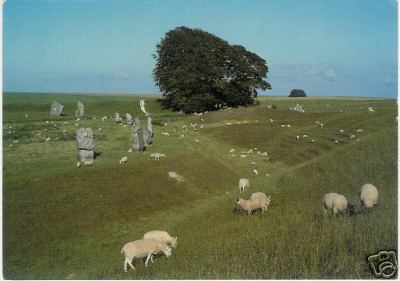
{"x":162,"y":236}
{"x":368,"y":195}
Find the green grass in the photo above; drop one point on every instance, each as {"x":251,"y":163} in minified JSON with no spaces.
{"x":63,"y":222}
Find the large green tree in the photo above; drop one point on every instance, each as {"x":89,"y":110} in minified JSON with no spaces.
{"x":196,"y":70}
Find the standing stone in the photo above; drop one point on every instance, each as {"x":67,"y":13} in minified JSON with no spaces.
{"x":56,"y":109}
{"x":117,"y":118}
{"x":137,"y":138}
{"x":80,"y":111}
{"x":129,"y":119}
{"x":149,"y":124}
{"x":147,"y":137}
{"x":85,"y":144}
{"x":136,"y":121}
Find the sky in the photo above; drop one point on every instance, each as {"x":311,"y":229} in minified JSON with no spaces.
{"x":336,"y":47}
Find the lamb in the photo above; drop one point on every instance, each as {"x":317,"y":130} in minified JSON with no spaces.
{"x":337,"y":203}
{"x":368,"y":195}
{"x":162,"y":236}
{"x":123,"y":160}
{"x":141,"y":249}
{"x":243,"y":185}
{"x":257,"y":202}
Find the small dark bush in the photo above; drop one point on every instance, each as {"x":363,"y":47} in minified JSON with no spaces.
{"x":295,"y":93}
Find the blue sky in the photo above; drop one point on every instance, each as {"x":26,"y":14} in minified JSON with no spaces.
{"x":346,"y":48}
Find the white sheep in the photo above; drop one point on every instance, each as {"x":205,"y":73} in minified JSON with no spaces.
{"x":130,"y":150}
{"x":243,"y":185}
{"x":263,"y":196}
{"x":123,"y":160}
{"x":321,"y":125}
{"x":162,"y":236}
{"x":143,"y":248}
{"x":305,"y":136}
{"x":352,"y":137}
{"x":297,"y":137}
{"x":359,"y":131}
{"x":157,"y":156}
{"x":243,"y":156}
{"x":370,"y":109}
{"x":341,"y":131}
{"x":78,"y":164}
{"x":165,"y":134}
{"x":88,"y":162}
{"x":335,"y":202}
{"x":258,"y":202}
{"x":288,"y":125}
{"x":232,"y":150}
{"x":255,"y":172}
{"x":368,"y":195}
{"x":336,"y":141}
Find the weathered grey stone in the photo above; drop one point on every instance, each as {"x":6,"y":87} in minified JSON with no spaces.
{"x":147,"y":137}
{"x":149,"y":124}
{"x":85,"y":144}
{"x":117,"y":118}
{"x":56,"y":109}
{"x":136,"y":121}
{"x":80,"y":111}
{"x":129,"y":120}
{"x":137,"y":139}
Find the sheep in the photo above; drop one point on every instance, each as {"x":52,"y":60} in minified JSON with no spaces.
{"x":312,"y":141}
{"x":336,"y":141}
{"x":297,"y":137}
{"x":165,"y":134}
{"x":123,"y":160}
{"x":253,"y":163}
{"x":370,"y":109}
{"x":242,"y":156}
{"x":130,"y":150}
{"x":255,"y":172}
{"x":288,"y":125}
{"x":232,"y":150}
{"x":368,"y":195}
{"x":359,"y":131}
{"x":243,"y":185}
{"x":162,"y":236}
{"x":257,"y":202}
{"x":262,"y":196}
{"x":352,"y":137}
{"x":157,"y":156}
{"x":47,"y":139}
{"x":271,"y":120}
{"x":341,"y":131}
{"x":305,"y":136}
{"x":321,"y":125}
{"x":88,"y":162}
{"x":337,"y":203}
{"x":141,"y":249}
{"x":196,"y":140}
{"x":283,"y":126}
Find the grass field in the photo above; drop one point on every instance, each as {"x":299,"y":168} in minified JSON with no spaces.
{"x":61,"y":222}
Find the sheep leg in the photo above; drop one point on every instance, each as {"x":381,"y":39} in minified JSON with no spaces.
{"x":126,"y":265}
{"x":151,"y":259}
{"x":130,"y":264}
{"x":148,"y":258}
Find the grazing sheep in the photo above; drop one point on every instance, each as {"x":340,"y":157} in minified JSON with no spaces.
{"x":341,"y":131}
{"x":181,"y":136}
{"x":130,"y":150}
{"x":242,"y":156}
{"x":305,"y":136}
{"x":337,"y":203}
{"x":88,"y":162}
{"x":312,"y":141}
{"x":288,"y":125}
{"x":262,"y":196}
{"x":321,"y":125}
{"x":368,"y":195}
{"x":352,"y":137}
{"x":78,"y":164}
{"x":253,"y":163}
{"x":141,"y":249}
{"x":359,"y":131}
{"x":232,"y":150}
{"x":370,"y":109}
{"x":283,"y":126}
{"x":336,"y":141}
{"x":271,"y":120}
{"x":243,"y":185}
{"x":174,"y":175}
{"x":257,"y":202}
{"x":123,"y":160}
{"x":297,"y":137}
{"x":196,"y":140}
{"x":255,"y":172}
{"x":157,"y":156}
{"x":47,"y":139}
{"x":162,"y":236}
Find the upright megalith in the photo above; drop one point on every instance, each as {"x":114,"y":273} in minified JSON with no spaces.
{"x":129,"y":120}
{"x":149,"y":124}
{"x":85,"y":144}
{"x":56,"y":109}
{"x":137,"y":138}
{"x":117,"y":118}
{"x":80,"y":110}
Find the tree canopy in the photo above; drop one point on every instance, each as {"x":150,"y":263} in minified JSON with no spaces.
{"x":196,"y":70}
{"x":295,"y":93}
